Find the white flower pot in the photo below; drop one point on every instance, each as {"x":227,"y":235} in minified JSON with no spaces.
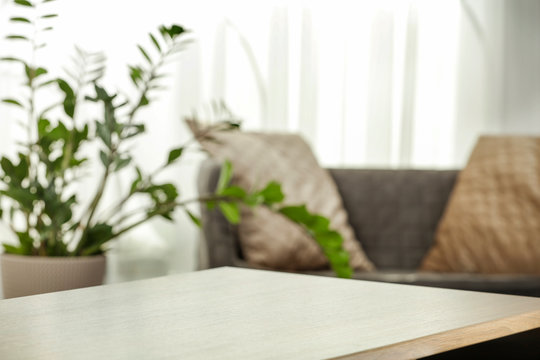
{"x":30,"y":275}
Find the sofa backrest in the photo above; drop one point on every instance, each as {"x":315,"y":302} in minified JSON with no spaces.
{"x":394,"y":213}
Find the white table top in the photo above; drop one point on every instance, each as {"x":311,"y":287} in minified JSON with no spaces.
{"x":231,"y":313}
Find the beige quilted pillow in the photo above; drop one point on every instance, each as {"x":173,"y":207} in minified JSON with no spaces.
{"x":492,"y":221}
{"x":269,"y":239}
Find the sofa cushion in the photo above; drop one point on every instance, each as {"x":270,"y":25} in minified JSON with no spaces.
{"x":269,"y":239}
{"x":526,"y":285}
{"x":492,"y":221}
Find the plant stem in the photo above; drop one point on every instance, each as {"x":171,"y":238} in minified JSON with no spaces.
{"x":92,"y":209}
{"x":177,"y":204}
{"x":166,"y":208}
{"x":146,"y":85}
{"x":135,"y":224}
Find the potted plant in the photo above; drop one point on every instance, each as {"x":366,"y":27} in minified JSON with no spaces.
{"x":61,"y":240}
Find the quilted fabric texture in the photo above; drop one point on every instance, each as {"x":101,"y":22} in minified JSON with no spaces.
{"x":492,"y":221}
{"x":269,"y":239}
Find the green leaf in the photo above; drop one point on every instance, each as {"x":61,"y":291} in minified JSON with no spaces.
{"x":20,"y":19}
{"x":12,"y":102}
{"x":175,"y":30}
{"x":23,"y":196}
{"x":344,"y":272}
{"x":17,"y":37}
{"x":104,"y":133}
{"x":7,"y":166}
{"x":297,"y":213}
{"x":121,"y":163}
{"x":135,"y":73}
{"x":69,"y":97}
{"x":156,"y":43}
{"x":12,"y":59}
{"x":224,"y":176}
{"x":98,"y":235}
{"x":49,"y":16}
{"x":167,"y":216}
{"x":319,"y":223}
{"x":145,"y":54}
{"x":253,"y":199}
{"x":104,"y":158}
{"x":21,"y":170}
{"x":230,"y":211}
{"x":234,"y":192}
{"x":339,"y":257}
{"x":144,"y":101}
{"x":16,"y":250}
{"x":25,"y":240}
{"x":59,"y":132}
{"x":170,"y":191}
{"x":77,"y":162}
{"x":174,"y":154}
{"x":196,"y":220}
{"x":23,"y":3}
{"x":65,"y":87}
{"x":40,"y":71}
{"x":133,"y":130}
{"x":339,"y":262}
{"x":81,"y":135}
{"x":101,"y":93}
{"x":134,"y":186}
{"x":329,"y":239}
{"x":272,"y":193}
{"x":43,"y":127}
{"x":171,"y":32}
{"x":29,"y":71}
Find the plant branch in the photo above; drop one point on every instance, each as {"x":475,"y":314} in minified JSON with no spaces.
{"x":163,"y":209}
{"x":92,"y":209}
{"x":146,"y":85}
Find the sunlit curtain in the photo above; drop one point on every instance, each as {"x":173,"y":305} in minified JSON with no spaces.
{"x":371,"y":83}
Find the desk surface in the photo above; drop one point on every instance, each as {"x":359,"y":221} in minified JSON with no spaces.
{"x":231,"y":313}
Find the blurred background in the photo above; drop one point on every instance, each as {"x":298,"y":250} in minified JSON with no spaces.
{"x":407,"y":83}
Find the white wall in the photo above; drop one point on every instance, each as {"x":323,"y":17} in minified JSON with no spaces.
{"x":521,"y":89}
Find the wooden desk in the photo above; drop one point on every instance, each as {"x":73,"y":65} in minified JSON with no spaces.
{"x":231,"y":313}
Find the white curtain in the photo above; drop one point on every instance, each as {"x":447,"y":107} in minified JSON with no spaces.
{"x":371,"y":83}
{"x":368,"y":83}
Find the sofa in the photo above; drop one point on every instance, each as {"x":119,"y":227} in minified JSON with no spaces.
{"x":394,"y":214}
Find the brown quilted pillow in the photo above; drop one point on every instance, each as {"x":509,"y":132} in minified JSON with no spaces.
{"x":492,"y":221}
{"x":269,"y":239}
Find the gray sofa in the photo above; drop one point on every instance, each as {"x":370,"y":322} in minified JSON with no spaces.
{"x":394,"y":214}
